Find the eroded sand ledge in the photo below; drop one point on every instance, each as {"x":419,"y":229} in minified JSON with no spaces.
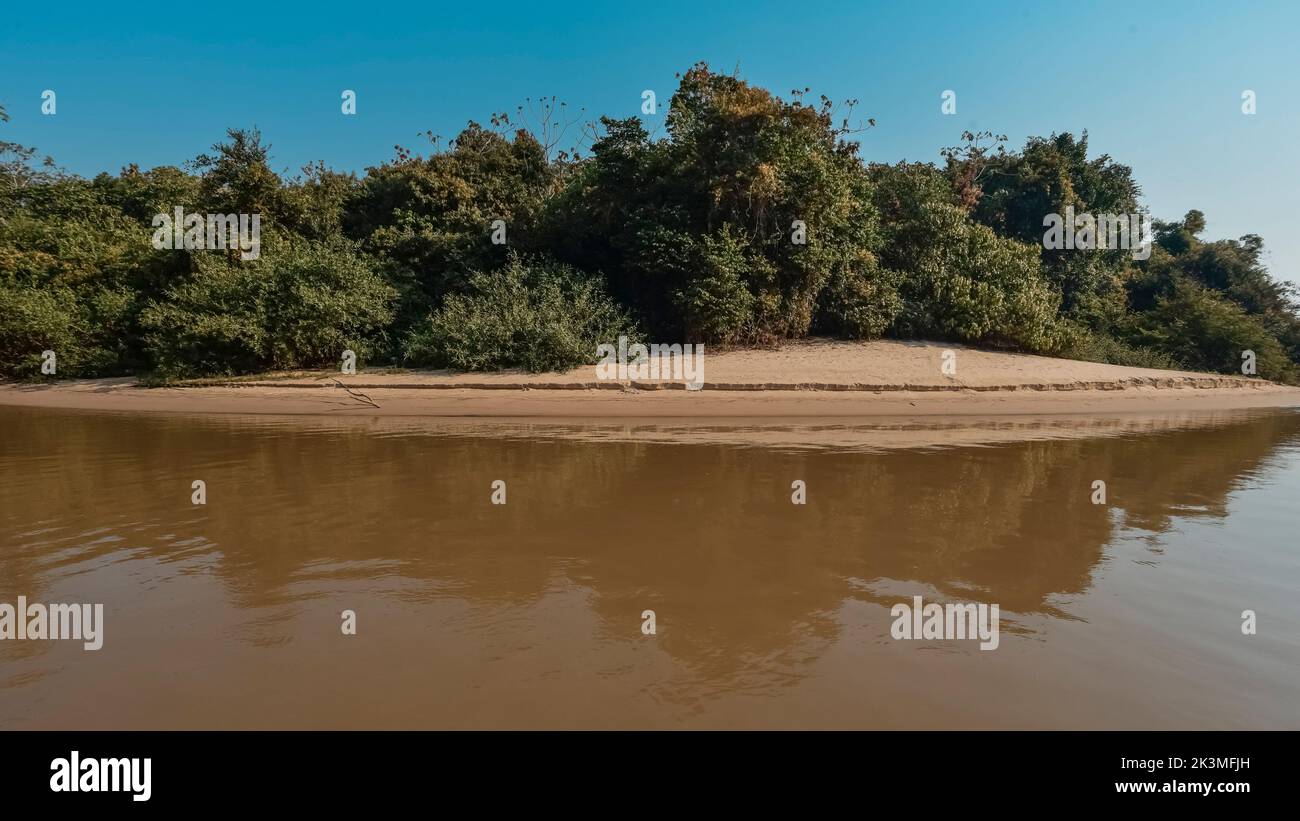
{"x":799,"y":380}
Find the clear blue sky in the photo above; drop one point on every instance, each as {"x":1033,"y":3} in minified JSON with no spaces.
{"x":1157,"y":84}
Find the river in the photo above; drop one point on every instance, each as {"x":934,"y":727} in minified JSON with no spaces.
{"x":766,"y":613}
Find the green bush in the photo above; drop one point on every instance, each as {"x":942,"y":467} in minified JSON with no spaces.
{"x":861,"y":300}
{"x":716,"y":304}
{"x":74,"y":271}
{"x":85,"y":334}
{"x":963,"y":282}
{"x":536,"y":315}
{"x":1209,"y":333}
{"x":1093,"y":347}
{"x":299,"y":305}
{"x":33,"y":320}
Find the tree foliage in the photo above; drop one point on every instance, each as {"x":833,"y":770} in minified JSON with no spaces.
{"x":750,"y":218}
{"x":538,"y":315}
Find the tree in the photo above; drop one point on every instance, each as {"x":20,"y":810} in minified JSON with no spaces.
{"x":748,"y":207}
{"x":237,"y":176}
{"x":1017,"y":190}
{"x":958,"y":279}
{"x":1207,"y":332}
{"x":431,"y":218}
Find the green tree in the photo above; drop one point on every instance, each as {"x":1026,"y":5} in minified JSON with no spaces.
{"x":1207,"y":332}
{"x":958,"y":279}
{"x":687,"y":223}
{"x":1016,"y":190}
{"x":431,"y":218}
{"x":237,"y":177}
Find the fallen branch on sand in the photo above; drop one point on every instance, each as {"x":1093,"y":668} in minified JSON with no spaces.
{"x":357,"y":395}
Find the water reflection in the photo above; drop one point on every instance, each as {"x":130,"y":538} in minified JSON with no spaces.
{"x":527,"y":614}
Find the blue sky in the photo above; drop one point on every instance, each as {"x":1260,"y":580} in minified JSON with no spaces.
{"x":1157,"y":85}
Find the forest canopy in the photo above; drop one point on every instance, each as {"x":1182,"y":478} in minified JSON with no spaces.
{"x":751,"y":219}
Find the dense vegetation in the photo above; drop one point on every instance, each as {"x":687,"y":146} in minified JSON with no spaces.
{"x":689,"y":236}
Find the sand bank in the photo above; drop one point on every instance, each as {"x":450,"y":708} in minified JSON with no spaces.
{"x":799,"y":380}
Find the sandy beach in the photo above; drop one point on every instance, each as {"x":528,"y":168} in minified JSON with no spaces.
{"x":814,"y":378}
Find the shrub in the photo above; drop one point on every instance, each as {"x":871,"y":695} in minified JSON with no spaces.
{"x":86,"y":334}
{"x":430,"y":217}
{"x":33,"y":320}
{"x":716,"y":304}
{"x":963,"y":282}
{"x":537,"y":315}
{"x":1209,"y":333}
{"x":1094,"y":347}
{"x":299,"y":305}
{"x":861,"y":300}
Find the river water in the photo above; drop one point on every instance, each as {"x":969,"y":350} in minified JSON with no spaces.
{"x":530,"y":614}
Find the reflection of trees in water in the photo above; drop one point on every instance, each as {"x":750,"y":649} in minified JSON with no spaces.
{"x":706,"y":535}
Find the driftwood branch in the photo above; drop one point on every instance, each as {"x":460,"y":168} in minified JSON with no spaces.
{"x":357,"y":395}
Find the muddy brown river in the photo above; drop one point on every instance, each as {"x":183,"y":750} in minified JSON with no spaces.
{"x":767,"y":614}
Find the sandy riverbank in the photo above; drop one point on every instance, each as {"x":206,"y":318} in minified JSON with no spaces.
{"x":804,"y":379}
